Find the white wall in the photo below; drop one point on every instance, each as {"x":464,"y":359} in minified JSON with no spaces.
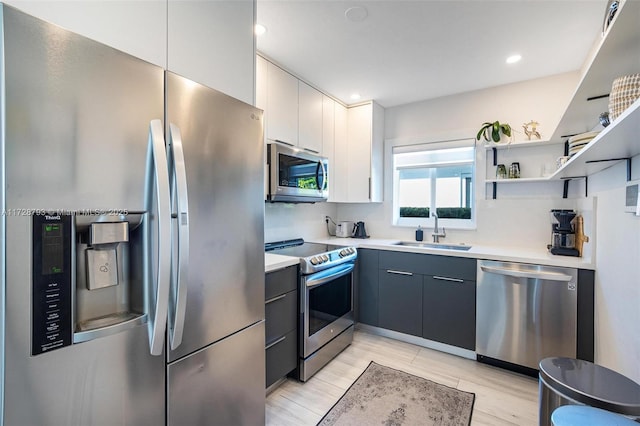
{"x":519,"y":216}
{"x":617,"y":304}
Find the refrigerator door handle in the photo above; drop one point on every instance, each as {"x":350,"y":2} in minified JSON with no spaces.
{"x":179,"y":302}
{"x":157,"y":171}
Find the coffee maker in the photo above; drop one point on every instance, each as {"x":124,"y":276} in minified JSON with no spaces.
{"x":563,"y":235}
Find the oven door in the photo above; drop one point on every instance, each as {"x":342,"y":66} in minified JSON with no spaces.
{"x":295,"y":175}
{"x":326,"y":306}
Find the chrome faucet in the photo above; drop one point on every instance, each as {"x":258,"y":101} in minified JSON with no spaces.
{"x":436,"y":232}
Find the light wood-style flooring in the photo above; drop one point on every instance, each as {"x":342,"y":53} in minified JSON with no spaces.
{"x":502,"y":397}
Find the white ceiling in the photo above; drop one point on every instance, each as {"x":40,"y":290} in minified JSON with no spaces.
{"x":407,"y":51}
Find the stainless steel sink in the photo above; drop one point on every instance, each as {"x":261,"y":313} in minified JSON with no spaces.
{"x":433,"y":245}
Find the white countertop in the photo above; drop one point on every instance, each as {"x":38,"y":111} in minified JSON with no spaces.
{"x":508,"y":254}
{"x":273,"y":262}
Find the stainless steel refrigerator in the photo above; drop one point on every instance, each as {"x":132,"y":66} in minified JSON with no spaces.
{"x":131,"y":254}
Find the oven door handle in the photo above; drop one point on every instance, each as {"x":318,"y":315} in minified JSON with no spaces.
{"x":331,"y":274}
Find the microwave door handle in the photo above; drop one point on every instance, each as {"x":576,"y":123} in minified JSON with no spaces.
{"x":318,"y":167}
{"x":324,"y":176}
{"x":176,"y":324}
{"x":157,"y":171}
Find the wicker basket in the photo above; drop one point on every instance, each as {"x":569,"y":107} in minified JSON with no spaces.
{"x":624,"y":91}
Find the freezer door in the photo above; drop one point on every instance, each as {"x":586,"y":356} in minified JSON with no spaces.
{"x":222,"y":384}
{"x":223,"y":159}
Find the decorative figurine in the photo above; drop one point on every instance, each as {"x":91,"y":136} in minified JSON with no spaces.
{"x":532,"y":131}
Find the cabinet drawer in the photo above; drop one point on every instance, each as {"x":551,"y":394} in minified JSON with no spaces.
{"x":281,"y":358}
{"x":429,"y":264}
{"x":280,"y":281}
{"x":281,"y":315}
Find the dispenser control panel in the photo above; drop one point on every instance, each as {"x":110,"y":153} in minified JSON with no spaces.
{"x":51,"y":301}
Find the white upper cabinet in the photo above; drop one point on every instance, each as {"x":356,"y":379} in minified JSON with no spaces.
{"x":262,"y":69}
{"x":282,"y":106}
{"x":365,"y":133}
{"x":328,"y":137}
{"x":310,"y":111}
{"x":339,"y":169}
{"x":212,"y":42}
{"x":138,"y":28}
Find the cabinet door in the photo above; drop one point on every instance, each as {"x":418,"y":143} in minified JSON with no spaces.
{"x":449,"y":311}
{"x":261,"y":85}
{"x":340,"y":167}
{"x":367,"y":285}
{"x":310,"y":105}
{"x":282,"y":104}
{"x":138,"y":28}
{"x":400,"y":301}
{"x":328,"y":138}
{"x":212,"y":42}
{"x":359,"y":153}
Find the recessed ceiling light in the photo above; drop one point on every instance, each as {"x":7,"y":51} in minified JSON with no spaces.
{"x":356,"y":14}
{"x":513,"y":59}
{"x":260,"y":29}
{"x":355,"y":96}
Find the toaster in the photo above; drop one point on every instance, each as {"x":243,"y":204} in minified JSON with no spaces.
{"x":344,"y":229}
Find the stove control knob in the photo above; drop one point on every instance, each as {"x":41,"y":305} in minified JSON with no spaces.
{"x":343,"y":253}
{"x":325,"y":258}
{"x":314,"y":260}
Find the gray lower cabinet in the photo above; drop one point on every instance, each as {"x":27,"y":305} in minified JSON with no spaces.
{"x":424,"y":295}
{"x":281,"y":323}
{"x":449,"y":311}
{"x":400,"y":304}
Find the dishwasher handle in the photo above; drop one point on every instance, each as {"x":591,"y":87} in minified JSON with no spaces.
{"x":552,"y":276}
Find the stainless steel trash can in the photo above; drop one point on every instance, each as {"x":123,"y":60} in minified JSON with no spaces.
{"x":567,"y":381}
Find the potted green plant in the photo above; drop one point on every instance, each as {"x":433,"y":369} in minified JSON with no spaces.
{"x":493,"y":131}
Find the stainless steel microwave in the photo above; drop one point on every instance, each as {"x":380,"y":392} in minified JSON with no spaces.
{"x":295,"y":175}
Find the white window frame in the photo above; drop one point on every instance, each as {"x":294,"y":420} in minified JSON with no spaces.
{"x":414,"y":222}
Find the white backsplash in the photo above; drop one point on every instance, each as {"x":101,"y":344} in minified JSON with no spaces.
{"x":288,"y":221}
{"x":519,"y":223}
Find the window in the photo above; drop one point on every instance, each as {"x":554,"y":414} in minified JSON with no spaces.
{"x":434,"y":178}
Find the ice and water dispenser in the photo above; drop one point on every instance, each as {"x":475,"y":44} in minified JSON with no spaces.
{"x":88,"y":277}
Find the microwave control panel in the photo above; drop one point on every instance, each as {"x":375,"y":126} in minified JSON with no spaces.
{"x":51,"y":301}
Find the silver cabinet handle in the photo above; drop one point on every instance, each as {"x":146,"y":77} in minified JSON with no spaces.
{"x":275,"y":343}
{"x":455,"y":280}
{"x":391,"y":271}
{"x":180,"y":200}
{"x":157,"y":171}
{"x":275,"y":299}
{"x":552,"y":276}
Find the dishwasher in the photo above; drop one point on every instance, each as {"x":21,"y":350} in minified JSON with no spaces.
{"x":525,"y":312}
